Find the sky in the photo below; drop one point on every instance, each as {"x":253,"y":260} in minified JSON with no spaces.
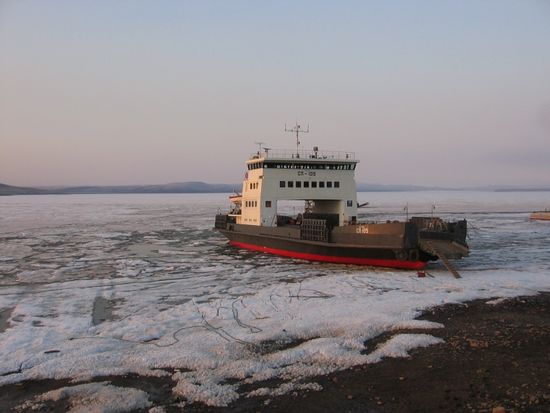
{"x":430,"y":92}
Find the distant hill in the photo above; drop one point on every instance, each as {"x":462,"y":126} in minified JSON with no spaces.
{"x":202,"y":187}
{"x":17,"y":190}
{"x":172,"y":188}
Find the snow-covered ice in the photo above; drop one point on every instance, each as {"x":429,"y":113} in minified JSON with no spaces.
{"x":94,"y":397}
{"x":184,"y":301}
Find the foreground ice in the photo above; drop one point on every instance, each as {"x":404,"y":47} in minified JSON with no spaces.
{"x":94,"y":397}
{"x":287,"y":331}
{"x":94,"y":286}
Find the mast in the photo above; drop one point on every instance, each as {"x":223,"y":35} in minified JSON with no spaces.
{"x":259,"y":147}
{"x":297,"y":129}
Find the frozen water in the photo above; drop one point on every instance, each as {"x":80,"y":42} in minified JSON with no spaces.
{"x":105,"y":285}
{"x":95,"y":397}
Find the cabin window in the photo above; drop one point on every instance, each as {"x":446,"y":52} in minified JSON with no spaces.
{"x":337,"y":184}
{"x":350,"y":203}
{"x":314,"y":184}
{"x":306,"y":184}
{"x":250,"y":185}
{"x":282,"y":184}
{"x":321,"y":184}
{"x":290,"y":184}
{"x":329,"y":184}
{"x":298,"y":184}
{"x":268,"y":204}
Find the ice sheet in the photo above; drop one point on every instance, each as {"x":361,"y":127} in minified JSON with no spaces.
{"x":180,"y":298}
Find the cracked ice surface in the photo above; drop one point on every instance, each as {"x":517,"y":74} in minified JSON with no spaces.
{"x":182,"y":299}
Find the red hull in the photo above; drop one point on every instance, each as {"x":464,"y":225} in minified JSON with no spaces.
{"x":411,"y":265}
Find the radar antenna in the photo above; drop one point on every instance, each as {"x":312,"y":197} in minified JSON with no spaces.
{"x":297,"y":129}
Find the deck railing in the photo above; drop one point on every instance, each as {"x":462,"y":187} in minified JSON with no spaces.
{"x":304,"y":154}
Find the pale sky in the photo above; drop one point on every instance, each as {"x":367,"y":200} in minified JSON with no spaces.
{"x":452,"y":93}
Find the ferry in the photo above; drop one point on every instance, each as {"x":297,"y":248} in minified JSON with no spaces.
{"x":328,"y":229}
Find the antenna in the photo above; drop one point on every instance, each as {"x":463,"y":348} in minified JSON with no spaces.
{"x":259,"y":146}
{"x":297,"y":129}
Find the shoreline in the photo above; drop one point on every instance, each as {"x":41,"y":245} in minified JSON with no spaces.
{"x":494,"y":354}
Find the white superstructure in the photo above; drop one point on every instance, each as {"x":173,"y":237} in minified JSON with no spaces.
{"x":325,"y":179}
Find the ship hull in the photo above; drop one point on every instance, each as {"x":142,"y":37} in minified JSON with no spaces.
{"x":374,"y":262}
{"x":323,"y":252}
